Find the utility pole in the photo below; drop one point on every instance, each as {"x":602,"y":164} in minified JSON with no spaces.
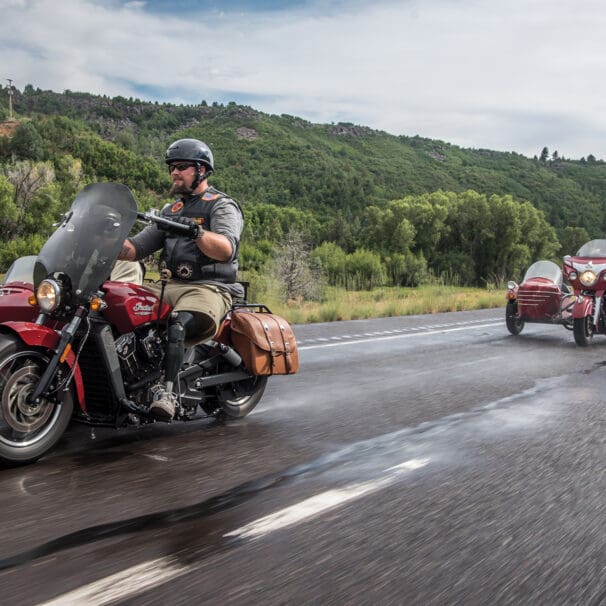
{"x":10,"y":99}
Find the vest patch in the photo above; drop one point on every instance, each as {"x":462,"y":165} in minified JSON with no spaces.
{"x":176,"y":207}
{"x":209,"y":196}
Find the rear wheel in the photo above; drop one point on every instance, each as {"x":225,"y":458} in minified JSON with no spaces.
{"x":583,"y":330}
{"x":237,"y":400}
{"x":28,"y":429}
{"x":513,"y":321}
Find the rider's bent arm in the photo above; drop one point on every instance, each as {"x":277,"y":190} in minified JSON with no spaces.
{"x":227,"y":225}
{"x":215,"y":246}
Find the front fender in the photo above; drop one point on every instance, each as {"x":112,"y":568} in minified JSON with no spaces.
{"x":582,"y":308}
{"x":36,"y":335}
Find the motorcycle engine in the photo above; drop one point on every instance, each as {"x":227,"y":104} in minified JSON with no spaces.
{"x":139,"y":354}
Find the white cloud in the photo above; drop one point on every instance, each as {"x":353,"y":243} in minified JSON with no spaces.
{"x":507,"y":76}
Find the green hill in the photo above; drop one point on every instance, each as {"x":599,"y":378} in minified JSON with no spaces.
{"x":287,"y":172}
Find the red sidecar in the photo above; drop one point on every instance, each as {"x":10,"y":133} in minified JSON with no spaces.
{"x":541,"y":297}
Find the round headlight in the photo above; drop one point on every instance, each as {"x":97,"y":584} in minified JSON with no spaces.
{"x":511,"y":285}
{"x":572,"y":275}
{"x":48,"y":295}
{"x":588,"y":278}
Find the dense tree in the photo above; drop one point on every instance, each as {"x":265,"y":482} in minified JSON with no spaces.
{"x":27,"y":144}
{"x":333,"y":261}
{"x":34,"y":199}
{"x":364,"y":270}
{"x":8,"y":210}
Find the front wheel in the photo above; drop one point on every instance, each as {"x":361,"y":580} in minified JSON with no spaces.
{"x":241,"y":397}
{"x":513,"y":321}
{"x":28,"y":429}
{"x":582,"y":329}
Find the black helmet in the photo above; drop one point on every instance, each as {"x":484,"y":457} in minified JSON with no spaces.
{"x":192,"y":150}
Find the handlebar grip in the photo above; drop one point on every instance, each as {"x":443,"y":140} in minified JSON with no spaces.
{"x":174,"y":227}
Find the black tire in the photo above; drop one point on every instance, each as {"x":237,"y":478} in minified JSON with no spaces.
{"x":27,"y":431}
{"x":236,"y":406}
{"x":582,"y":329}
{"x":515,"y":325}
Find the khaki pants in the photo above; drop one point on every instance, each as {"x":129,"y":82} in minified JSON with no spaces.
{"x":207,"y":302}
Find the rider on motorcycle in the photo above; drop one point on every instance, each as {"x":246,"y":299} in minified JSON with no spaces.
{"x":201,"y":266}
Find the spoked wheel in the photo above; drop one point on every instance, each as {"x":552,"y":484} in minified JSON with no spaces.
{"x":237,"y":400}
{"x":514,"y":323}
{"x":27,"y":429}
{"x":583,"y":330}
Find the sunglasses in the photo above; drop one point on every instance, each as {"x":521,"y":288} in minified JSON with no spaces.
{"x":180,"y":166}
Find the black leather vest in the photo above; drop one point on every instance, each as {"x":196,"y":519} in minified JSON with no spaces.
{"x":182,"y":256}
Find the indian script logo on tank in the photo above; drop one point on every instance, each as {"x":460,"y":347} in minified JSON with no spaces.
{"x":142,"y":309}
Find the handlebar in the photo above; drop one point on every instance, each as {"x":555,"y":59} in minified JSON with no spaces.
{"x":151,"y":216}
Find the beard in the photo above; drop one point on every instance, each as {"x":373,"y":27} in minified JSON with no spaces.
{"x":179,"y":187}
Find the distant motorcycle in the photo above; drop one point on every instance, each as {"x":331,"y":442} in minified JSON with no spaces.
{"x":73,"y":344}
{"x":586,"y":272}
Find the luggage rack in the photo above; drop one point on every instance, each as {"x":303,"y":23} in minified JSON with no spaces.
{"x":244,"y":304}
{"x":260,"y":307}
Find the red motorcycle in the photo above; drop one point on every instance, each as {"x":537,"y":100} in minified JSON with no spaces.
{"x":586,"y":272}
{"x":75,"y":345}
{"x":541,"y":297}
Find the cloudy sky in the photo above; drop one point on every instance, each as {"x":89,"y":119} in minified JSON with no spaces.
{"x":513,"y":75}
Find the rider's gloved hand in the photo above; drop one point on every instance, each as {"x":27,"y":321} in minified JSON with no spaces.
{"x":179,"y":222}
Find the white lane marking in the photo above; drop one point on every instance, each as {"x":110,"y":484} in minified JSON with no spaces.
{"x":409,"y":465}
{"x":156,"y":457}
{"x":401,"y":336}
{"x":322,"y":502}
{"x":121,"y":585}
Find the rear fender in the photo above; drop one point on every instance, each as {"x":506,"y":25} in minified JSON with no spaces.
{"x":36,"y":335}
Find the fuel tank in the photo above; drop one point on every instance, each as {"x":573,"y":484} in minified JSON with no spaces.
{"x":130,"y":306}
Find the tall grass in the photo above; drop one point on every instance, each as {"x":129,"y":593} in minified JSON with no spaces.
{"x":339,"y":304}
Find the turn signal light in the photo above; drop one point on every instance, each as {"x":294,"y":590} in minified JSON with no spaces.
{"x":97,"y":304}
{"x":32,"y":300}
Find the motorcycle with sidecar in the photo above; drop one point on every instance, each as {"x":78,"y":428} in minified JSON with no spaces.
{"x":572,"y":295}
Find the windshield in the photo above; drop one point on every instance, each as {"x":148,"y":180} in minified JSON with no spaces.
{"x":593,"y":248}
{"x":544,"y":269}
{"x":88,"y":241}
{"x":22,"y":270}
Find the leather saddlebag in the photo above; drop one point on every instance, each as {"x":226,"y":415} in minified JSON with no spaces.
{"x":265,"y":341}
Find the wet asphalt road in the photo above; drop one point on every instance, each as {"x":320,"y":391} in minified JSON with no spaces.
{"x":419,"y":460}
